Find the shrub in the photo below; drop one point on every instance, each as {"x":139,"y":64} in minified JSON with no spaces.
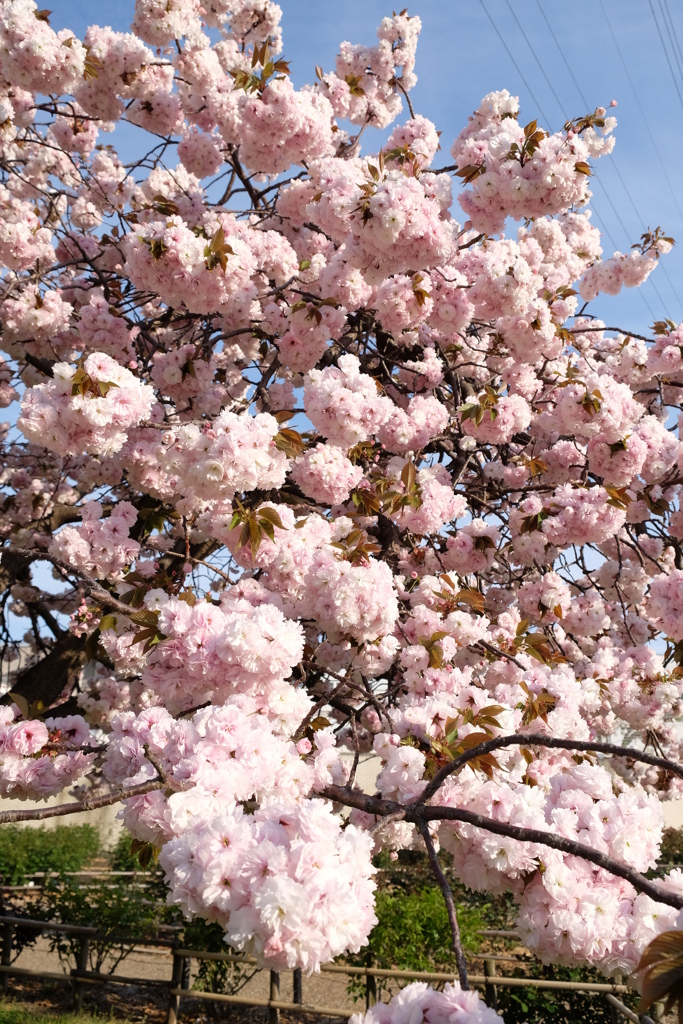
{"x":413,"y":931}
{"x":121,"y":857}
{"x":24,"y":851}
{"x":545,"y":1006}
{"x":120,"y":910}
{"x":672,"y":846}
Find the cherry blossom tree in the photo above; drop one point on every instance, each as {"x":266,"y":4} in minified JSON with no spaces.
{"x":315,"y":459}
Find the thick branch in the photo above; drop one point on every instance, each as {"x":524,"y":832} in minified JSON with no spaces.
{"x":419,"y":814}
{"x":555,"y":842}
{"x":47,"y":679}
{"x":90,"y":804}
{"x":539,"y":740}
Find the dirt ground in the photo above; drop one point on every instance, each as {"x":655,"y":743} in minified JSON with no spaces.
{"x":149,"y":1003}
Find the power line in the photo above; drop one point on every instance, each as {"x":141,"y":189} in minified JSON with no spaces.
{"x":654,"y":146}
{"x":671,"y":32}
{"x":673,"y":29}
{"x":517,"y":67}
{"x":507,"y":50}
{"x":605,"y":229}
{"x":566,"y":62}
{"x":542,"y":69}
{"x":625,"y":229}
{"x":640,"y":108}
{"x":613,"y":161}
{"x":666,"y":53}
{"x":560,"y":104}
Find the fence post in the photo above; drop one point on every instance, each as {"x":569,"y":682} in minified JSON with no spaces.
{"x":82,"y":966}
{"x":273,"y":1012}
{"x":370,"y":985}
{"x":186,"y":975}
{"x":176,"y":982}
{"x":490,"y":991}
{"x":7,"y":939}
{"x":297,"y":987}
{"x":615,"y":1016}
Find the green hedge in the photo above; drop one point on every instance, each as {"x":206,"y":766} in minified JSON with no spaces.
{"x":26,"y":850}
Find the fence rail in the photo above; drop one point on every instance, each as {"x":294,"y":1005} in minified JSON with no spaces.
{"x":178,"y":985}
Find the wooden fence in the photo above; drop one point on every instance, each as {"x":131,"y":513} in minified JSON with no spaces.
{"x":178,"y":985}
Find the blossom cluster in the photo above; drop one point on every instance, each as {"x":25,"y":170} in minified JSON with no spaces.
{"x":88,"y":409}
{"x":101,"y":548}
{"x":287,"y":884}
{"x":452,"y":1005}
{"x":41,"y":758}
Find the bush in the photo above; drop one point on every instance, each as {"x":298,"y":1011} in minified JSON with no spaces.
{"x":542,"y":1006}
{"x":121,"y":858}
{"x":412,"y":930}
{"x":120,"y":910}
{"x":413,"y":933}
{"x":17,"y":1013}
{"x":24,"y":851}
{"x":672,"y":846}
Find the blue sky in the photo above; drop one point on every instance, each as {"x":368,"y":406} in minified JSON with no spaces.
{"x":603,"y":49}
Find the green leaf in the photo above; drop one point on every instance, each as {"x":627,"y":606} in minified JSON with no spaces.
{"x":29,"y":709}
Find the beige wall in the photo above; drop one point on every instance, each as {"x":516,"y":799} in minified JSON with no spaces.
{"x":103,"y":819}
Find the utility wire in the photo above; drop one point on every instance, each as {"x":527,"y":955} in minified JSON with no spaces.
{"x":517,"y":67}
{"x":673,"y":29}
{"x":545,"y":118}
{"x":640,"y":108}
{"x":656,"y":149}
{"x":550,"y":85}
{"x":542,"y":69}
{"x":625,"y":230}
{"x":613,"y":161}
{"x":666,"y":54}
{"x":566,"y":62}
{"x":671,"y":32}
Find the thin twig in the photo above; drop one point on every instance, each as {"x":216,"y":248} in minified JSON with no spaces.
{"x":447,"y":893}
{"x":410,"y":105}
{"x":501,"y":654}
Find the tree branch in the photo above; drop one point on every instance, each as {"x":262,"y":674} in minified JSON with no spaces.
{"x":419,"y":813}
{"x":450,"y":905}
{"x":539,"y":740}
{"x":93,"y":589}
{"x":90,"y":804}
{"x":555,"y":842}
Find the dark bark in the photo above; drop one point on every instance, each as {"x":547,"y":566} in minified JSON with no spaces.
{"x":48,"y":678}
